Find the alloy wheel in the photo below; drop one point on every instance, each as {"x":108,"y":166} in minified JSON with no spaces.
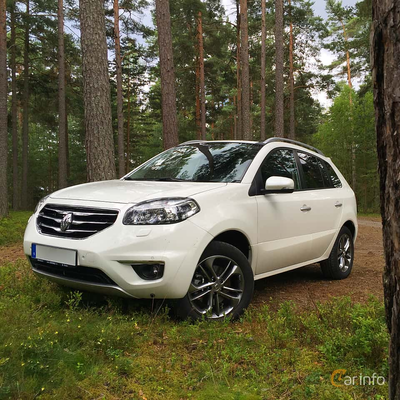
{"x":217,"y":286}
{"x":345,"y":253}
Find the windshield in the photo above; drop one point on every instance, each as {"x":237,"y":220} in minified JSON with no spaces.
{"x":199,"y":162}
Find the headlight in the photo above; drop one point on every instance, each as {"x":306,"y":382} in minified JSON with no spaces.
{"x":41,"y":202}
{"x":161,"y":211}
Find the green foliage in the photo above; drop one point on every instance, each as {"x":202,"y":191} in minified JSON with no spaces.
{"x":13,"y":226}
{"x":346,"y":127}
{"x":63,"y":344}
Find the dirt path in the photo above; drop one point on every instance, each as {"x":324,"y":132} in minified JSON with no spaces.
{"x":11,"y":253}
{"x":305,"y":286}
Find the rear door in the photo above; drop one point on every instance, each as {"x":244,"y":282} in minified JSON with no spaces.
{"x":324,"y":199}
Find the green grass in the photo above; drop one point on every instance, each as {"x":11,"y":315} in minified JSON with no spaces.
{"x":57,"y":344}
{"x":371,"y":215}
{"x":12,"y":228}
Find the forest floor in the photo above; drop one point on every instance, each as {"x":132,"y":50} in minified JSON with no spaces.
{"x":306,"y":285}
{"x":298,"y":331}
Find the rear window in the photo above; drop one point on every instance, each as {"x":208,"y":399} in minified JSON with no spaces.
{"x":313,"y":177}
{"x":332,"y":177}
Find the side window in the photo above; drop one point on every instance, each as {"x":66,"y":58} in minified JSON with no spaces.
{"x":312,"y":171}
{"x":334,"y":179}
{"x":281,"y":162}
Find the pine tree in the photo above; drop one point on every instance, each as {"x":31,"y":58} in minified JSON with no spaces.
{"x":96,"y":92}
{"x":279,"y":62}
{"x":16,"y":199}
{"x":244,"y":58}
{"x":62,"y":112}
{"x":385,"y":70}
{"x":25,"y":101}
{"x":169,"y":117}
{"x":3,"y":111}
{"x":120,"y":114}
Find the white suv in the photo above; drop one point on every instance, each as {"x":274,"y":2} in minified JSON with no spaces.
{"x":199,"y":223}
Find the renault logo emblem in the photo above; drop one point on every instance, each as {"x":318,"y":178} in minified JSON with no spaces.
{"x":66,"y":221}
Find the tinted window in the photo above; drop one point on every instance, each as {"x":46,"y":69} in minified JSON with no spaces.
{"x":281,"y":162}
{"x":199,"y":162}
{"x":334,"y":179}
{"x":312,"y":171}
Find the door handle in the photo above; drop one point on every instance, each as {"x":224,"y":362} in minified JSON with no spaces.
{"x":305,"y":208}
{"x":338,"y":204}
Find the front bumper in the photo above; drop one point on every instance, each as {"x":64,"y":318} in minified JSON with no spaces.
{"x":112,"y":251}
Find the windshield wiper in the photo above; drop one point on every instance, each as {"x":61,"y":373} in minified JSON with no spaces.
{"x":162,"y":179}
{"x":166,"y":179}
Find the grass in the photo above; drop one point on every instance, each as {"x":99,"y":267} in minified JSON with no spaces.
{"x":57,"y":344}
{"x":12,"y":228}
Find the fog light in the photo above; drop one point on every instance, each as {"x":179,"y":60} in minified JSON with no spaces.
{"x":149,"y":272}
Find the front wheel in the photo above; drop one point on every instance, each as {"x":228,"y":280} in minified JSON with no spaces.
{"x":222,"y":285}
{"x":340,"y":262}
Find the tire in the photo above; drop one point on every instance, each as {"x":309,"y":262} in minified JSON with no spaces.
{"x":220,"y":265}
{"x":340,"y":261}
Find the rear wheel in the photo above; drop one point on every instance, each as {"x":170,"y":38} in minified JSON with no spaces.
{"x":222,"y":285}
{"x":340,"y":262}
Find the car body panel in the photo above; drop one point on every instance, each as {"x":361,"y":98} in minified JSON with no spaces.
{"x":281,"y":237}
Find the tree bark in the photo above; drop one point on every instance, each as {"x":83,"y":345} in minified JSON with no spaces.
{"x":25,"y":106}
{"x":96,"y":92}
{"x":201,"y":76}
{"x":120,"y":112}
{"x":128,"y":129}
{"x":238,"y":131}
{"x":168,"y":92}
{"x":16,"y":200}
{"x":292,"y":126}
{"x":262,"y":82}
{"x":62,"y":114}
{"x":385,"y":57}
{"x":3,"y":111}
{"x":245,"y":71}
{"x":279,"y":54}
{"x":198,"y":108}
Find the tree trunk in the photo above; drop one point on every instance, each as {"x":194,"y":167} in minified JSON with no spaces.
{"x":120,"y":112}
{"x":16,"y":201}
{"x":279,"y":117}
{"x":62,"y":114}
{"x":262,"y":82}
{"x":385,"y":49}
{"x":3,"y":111}
{"x":238,"y":132}
{"x":168,"y":93}
{"x":202,"y":78}
{"x":198,"y":108}
{"x":25,"y":106}
{"x":128,"y":129}
{"x":292,"y":127}
{"x":96,"y":92}
{"x":245,"y":71}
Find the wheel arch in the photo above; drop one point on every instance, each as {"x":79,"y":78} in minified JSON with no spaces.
{"x":352,"y":228}
{"x":237,"y":239}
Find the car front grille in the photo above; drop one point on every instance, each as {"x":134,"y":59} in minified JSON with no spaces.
{"x":83,"y":274}
{"x":79,"y":222}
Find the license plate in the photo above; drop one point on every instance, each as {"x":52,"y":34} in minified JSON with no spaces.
{"x":54,"y":255}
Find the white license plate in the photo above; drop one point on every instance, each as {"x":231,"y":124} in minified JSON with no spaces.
{"x":54,"y":254}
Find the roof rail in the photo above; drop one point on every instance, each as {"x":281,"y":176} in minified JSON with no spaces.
{"x":191,"y":141}
{"x":307,"y":146}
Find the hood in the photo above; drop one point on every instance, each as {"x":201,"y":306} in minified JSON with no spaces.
{"x":125,"y":192}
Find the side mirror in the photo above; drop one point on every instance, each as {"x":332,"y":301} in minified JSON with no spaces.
{"x":279,"y":184}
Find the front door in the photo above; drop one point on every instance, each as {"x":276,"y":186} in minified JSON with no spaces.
{"x":284,"y":235}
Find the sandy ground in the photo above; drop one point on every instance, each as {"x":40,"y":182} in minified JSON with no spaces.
{"x":305,"y":286}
